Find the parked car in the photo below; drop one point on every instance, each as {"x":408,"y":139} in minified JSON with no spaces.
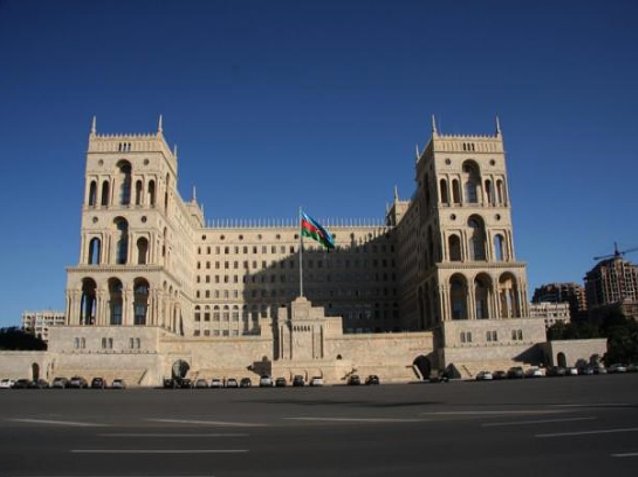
{"x":170,"y":383}
{"x":22,"y":383}
{"x":354,"y":380}
{"x":572,"y":371}
{"x":316,"y":381}
{"x":245,"y":383}
{"x":98,"y":383}
{"x":201,"y":384}
{"x":185,"y":383}
{"x":372,"y":379}
{"x":515,"y":372}
{"x":118,"y":384}
{"x":216,"y":383}
{"x":39,"y":384}
{"x":6,"y":383}
{"x":484,"y":376}
{"x":632,"y":368}
{"x":78,"y":382}
{"x":266,"y":381}
{"x":280,"y":382}
{"x":556,"y":371}
{"x":232,"y":383}
{"x":298,"y":381}
{"x":617,"y":368}
{"x":60,"y":383}
{"x":586,"y":371}
{"x":600,"y":370}
{"x":535,"y":372}
{"x":499,"y":374}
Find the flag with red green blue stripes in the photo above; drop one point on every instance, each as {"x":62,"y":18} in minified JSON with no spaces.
{"x":313,"y":229}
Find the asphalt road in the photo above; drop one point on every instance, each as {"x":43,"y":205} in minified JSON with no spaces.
{"x":539,"y":427}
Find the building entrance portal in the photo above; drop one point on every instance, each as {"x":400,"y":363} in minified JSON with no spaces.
{"x":180,"y":369}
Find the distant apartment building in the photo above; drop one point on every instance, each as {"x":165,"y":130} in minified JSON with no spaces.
{"x":550,"y":312}
{"x":611,"y":281}
{"x":567,"y":292}
{"x":38,"y":323}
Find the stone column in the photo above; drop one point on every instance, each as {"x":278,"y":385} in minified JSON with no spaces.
{"x":471,"y":302}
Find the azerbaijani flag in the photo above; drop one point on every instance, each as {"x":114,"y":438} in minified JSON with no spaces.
{"x":313,"y":229}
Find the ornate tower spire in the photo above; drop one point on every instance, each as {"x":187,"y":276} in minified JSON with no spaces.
{"x":160,"y":128}
{"x":396,"y":194}
{"x":498,"y":127}
{"x":194,"y":193}
{"x":175,"y":150}
{"x":94,"y":126}
{"x":418,"y":154}
{"x":435,"y":132}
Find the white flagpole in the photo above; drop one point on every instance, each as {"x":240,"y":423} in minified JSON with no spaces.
{"x":300,"y":256}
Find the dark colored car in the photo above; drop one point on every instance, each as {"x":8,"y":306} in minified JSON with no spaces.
{"x":515,"y":372}
{"x":78,"y":382}
{"x":185,"y":383}
{"x":372,"y":379}
{"x":280,"y":382}
{"x":98,"y":383}
{"x":60,"y":383}
{"x":354,"y":380}
{"x":500,"y":374}
{"x":39,"y":384}
{"x":245,"y":383}
{"x":298,"y":381}
{"x":21,"y":384}
{"x":555,"y":371}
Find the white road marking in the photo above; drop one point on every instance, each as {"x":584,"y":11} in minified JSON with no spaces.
{"x":353,"y":419}
{"x":586,"y":433}
{"x":158,"y":451}
{"x":628,"y":454}
{"x":595,"y":404}
{"x":491,"y":413}
{"x":209,"y":423}
{"x":58,"y":423}
{"x":540,"y":421}
{"x":172,"y":435}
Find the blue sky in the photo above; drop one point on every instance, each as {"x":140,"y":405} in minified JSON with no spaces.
{"x":322,"y":98}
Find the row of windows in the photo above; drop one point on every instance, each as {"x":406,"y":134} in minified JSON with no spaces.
{"x":315,"y":292}
{"x":219,"y":333}
{"x":282,"y":249}
{"x":490,"y":336}
{"x":107,"y":343}
{"x":377,"y":277}
{"x":309,"y":263}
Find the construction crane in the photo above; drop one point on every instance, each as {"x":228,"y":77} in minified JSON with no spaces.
{"x":617,"y":253}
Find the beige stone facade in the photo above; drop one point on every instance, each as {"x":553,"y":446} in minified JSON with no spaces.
{"x":436,"y":282}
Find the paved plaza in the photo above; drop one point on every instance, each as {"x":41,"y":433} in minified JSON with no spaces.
{"x":560,"y":426}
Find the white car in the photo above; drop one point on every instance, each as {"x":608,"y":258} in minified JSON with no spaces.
{"x":216,"y":383}
{"x":266,"y":382}
{"x":6,"y":383}
{"x":232,"y":383}
{"x":484,"y":376}
{"x":534,"y":373}
{"x":316,"y":381}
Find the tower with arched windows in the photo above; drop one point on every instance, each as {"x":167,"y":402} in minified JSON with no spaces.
{"x":136,"y":237}
{"x":461,"y":278}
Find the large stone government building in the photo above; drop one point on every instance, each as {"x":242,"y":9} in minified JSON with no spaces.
{"x":435,"y":284}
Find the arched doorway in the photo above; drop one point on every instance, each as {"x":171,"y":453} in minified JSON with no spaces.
{"x":180,"y":369}
{"x":423,"y":365}
{"x":561,"y":360}
{"x":35,"y":371}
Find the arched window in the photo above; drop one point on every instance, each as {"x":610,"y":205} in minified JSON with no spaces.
{"x":426,"y":186}
{"x":164,"y":236}
{"x":472,"y":181}
{"x":124,"y":179}
{"x":93,"y":194}
{"x":481,"y":297}
{"x":456,"y":192}
{"x":166,"y":192}
{"x":94,"y":251}
{"x":138,"y":192}
{"x":489,"y":192}
{"x":142,"y":251}
{"x":499,"y":251}
{"x":115,"y":301}
{"x":151,"y":193}
{"x":508,"y":291}
{"x":500,"y":192}
{"x":476,"y":238}
{"x":140,"y":300}
{"x":121,"y":250}
{"x":105,"y":193}
{"x":454,"y":248}
{"x":458,"y":297}
{"x":444,"y":195}
{"x":88,"y":302}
